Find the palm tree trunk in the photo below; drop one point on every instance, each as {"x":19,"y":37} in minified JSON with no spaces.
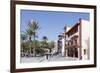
{"x":30,"y":44}
{"x":34,"y":47}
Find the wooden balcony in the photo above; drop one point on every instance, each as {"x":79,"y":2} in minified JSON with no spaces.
{"x":72,"y":46}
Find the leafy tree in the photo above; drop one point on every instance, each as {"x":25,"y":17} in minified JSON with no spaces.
{"x":44,"y":43}
{"x":51,"y":46}
{"x":45,"y":38}
{"x":40,"y":51}
{"x":23,"y":39}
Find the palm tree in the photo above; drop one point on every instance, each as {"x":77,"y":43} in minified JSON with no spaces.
{"x":31,"y":31}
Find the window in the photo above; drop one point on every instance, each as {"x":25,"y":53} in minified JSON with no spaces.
{"x":84,"y":51}
{"x":75,"y":42}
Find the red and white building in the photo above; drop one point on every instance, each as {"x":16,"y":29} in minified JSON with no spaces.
{"x":75,"y":40}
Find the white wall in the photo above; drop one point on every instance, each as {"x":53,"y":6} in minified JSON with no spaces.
{"x":63,"y":47}
{"x":5,"y":38}
{"x":85,"y":26}
{"x":56,"y":46}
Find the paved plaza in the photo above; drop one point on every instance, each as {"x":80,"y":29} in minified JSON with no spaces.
{"x":44,"y":59}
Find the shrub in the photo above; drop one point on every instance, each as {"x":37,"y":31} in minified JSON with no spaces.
{"x":40,"y":52}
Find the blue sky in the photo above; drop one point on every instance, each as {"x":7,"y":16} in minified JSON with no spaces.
{"x":51,"y":22}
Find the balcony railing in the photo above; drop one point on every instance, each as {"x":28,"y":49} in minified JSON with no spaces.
{"x":72,"y":46}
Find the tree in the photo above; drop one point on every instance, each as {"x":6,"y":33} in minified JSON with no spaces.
{"x":23,"y":39}
{"x":44,"y":42}
{"x":31,"y":31}
{"x":45,"y":38}
{"x":51,"y":45}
